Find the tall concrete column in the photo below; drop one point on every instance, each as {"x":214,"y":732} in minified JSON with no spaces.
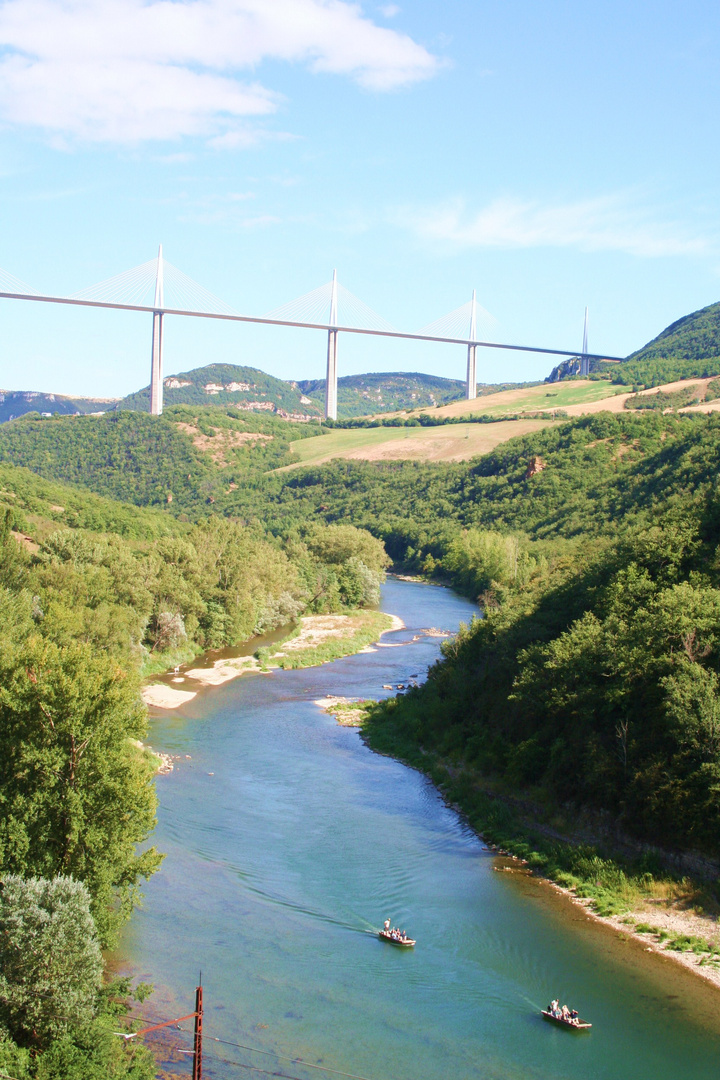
{"x":156,"y":374}
{"x":332,"y":354}
{"x":471,"y":388}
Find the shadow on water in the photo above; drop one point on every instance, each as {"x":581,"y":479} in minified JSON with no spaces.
{"x":288,"y":843}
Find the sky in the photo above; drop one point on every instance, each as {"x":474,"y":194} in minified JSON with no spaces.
{"x":551,"y":156}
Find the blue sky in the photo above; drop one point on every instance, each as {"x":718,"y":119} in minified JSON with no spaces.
{"x":548,"y":155}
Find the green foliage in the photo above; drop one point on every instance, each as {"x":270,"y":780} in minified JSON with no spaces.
{"x":123,"y":455}
{"x":688,"y":348}
{"x":36,"y":500}
{"x":186,"y":459}
{"x":337,"y":544}
{"x":598,"y":685}
{"x":75,"y":796}
{"x":50,"y":959}
{"x":94,"y":1053}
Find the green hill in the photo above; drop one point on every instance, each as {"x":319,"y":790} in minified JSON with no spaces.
{"x":688,"y":348}
{"x":388,"y":391}
{"x":247,"y":388}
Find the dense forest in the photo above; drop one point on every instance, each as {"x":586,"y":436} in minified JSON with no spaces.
{"x":189,"y":457}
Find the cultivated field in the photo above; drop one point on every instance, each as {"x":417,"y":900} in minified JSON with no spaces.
{"x":569,"y":396}
{"x":454,"y":442}
{"x":459,"y":442}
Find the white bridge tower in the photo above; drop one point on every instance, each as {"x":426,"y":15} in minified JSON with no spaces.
{"x":332,"y":357}
{"x":584,"y":358}
{"x":471,"y":389}
{"x":156,"y":375}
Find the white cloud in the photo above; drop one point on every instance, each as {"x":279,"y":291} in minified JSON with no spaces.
{"x":610,"y":223}
{"x":131,"y":70}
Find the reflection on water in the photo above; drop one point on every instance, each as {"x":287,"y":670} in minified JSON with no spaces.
{"x":289,"y":843}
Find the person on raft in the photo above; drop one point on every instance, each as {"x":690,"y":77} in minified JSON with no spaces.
{"x":394,"y":932}
{"x":570,"y":1016}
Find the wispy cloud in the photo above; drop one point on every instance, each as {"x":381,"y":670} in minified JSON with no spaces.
{"x":131,"y":70}
{"x":608,"y":223}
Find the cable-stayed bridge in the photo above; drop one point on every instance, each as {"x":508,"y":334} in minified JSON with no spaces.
{"x":160,"y":289}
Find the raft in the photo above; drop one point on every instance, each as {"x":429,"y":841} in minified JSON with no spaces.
{"x":577,"y":1025}
{"x":387,"y":936}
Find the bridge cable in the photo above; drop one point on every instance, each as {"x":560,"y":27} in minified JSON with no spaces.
{"x":279,"y":1057}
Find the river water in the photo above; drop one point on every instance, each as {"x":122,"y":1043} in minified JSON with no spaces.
{"x":288,"y":843}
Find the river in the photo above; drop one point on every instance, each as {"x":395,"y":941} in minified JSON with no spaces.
{"x":288,"y":842}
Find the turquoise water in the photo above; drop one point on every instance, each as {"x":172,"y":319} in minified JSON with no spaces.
{"x":282,"y":864}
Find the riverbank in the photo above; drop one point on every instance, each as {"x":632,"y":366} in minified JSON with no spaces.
{"x":672,"y":915}
{"x":316,"y":639}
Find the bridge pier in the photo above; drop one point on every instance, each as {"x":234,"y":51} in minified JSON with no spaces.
{"x":471,"y":385}
{"x":584,"y":358}
{"x":156,"y":375}
{"x":332,"y":354}
{"x":156,"y":372}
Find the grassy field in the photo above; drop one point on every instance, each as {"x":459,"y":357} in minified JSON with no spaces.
{"x":459,"y":442}
{"x":454,"y":442}
{"x":536,"y":398}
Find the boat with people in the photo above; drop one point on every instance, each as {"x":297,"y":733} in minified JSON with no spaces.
{"x":565,"y":1017}
{"x":395,"y":936}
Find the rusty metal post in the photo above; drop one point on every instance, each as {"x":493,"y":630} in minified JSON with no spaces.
{"x":197,"y":1043}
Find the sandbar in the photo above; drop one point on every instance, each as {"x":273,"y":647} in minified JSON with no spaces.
{"x":161,"y":696}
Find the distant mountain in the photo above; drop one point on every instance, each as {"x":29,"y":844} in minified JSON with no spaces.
{"x":229,"y":384}
{"x":389,"y":391}
{"x":250,"y":388}
{"x":254,"y":391}
{"x":14,"y":403}
{"x":689,"y":348}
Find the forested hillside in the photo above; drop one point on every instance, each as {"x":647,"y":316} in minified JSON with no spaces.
{"x":186,"y":458}
{"x":247,"y":388}
{"x":93,"y":593}
{"x":363,"y":395}
{"x":593,"y":679}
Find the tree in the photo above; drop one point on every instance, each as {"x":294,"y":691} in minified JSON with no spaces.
{"x":76,"y":797}
{"x":50,"y":958}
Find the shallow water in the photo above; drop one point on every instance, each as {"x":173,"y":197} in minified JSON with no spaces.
{"x":282,"y":864}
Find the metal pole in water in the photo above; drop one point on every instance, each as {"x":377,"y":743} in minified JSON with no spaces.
{"x":471,"y":390}
{"x":156,"y":377}
{"x":197,"y":1041}
{"x":331,"y":381}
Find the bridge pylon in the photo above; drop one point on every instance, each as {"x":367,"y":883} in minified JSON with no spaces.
{"x":156,"y":375}
{"x":471,"y":387}
{"x":332,"y":355}
{"x":584,"y":358}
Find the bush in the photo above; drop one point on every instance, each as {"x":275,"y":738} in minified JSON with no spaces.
{"x":50,"y":959}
